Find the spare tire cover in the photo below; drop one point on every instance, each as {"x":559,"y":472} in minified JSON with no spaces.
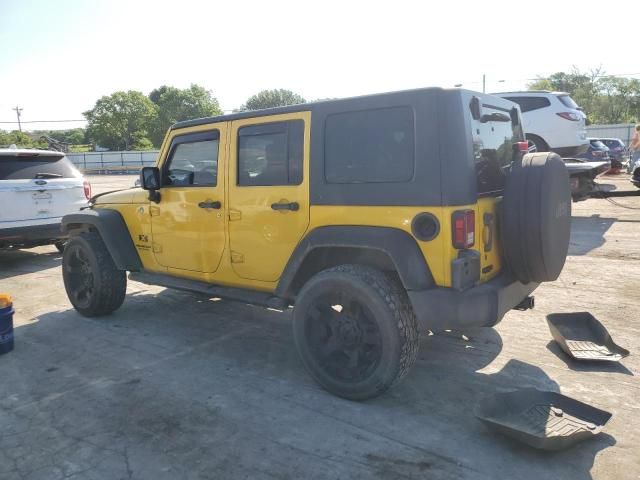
{"x":536,"y":218}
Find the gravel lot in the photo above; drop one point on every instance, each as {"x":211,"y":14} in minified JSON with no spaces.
{"x":176,"y":386}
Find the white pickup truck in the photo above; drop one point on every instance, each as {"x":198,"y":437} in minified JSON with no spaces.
{"x":37,"y":188}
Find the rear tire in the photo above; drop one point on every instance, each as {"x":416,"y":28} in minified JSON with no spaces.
{"x":540,"y":144}
{"x":355,"y":331}
{"x":94,"y":285}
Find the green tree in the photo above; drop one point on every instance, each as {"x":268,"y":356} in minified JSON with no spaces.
{"x":121,"y":120}
{"x":272,"y":98}
{"x":174,"y":105}
{"x":21,"y":139}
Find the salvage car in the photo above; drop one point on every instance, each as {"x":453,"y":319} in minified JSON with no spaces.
{"x":374,"y":217}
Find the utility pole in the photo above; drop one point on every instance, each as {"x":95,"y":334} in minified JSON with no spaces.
{"x":484,"y":79}
{"x":18,"y":112}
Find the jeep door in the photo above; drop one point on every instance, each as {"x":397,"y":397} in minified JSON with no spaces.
{"x":188,"y":223}
{"x":268,"y":192}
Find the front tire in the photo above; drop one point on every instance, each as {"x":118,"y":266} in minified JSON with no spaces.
{"x":355,"y":331}
{"x":94,"y":285}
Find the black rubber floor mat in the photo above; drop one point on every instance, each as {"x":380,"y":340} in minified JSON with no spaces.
{"x":543,"y":420}
{"x":583,"y":337}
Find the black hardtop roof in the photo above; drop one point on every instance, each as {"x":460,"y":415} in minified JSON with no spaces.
{"x":302,"y":107}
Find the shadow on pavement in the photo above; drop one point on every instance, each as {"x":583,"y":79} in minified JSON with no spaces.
{"x":172,"y":372}
{"x":587,"y":233}
{"x":16,"y":262}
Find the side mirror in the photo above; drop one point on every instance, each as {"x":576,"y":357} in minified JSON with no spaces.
{"x":150,"y":180}
{"x":476,"y":108}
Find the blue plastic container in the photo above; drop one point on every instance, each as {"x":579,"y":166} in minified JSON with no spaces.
{"x":6,"y":329}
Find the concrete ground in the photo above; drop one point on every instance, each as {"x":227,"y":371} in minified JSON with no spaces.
{"x":174,"y":386}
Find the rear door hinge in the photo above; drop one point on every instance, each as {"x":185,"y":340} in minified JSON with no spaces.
{"x":154,"y":211}
{"x":157,"y":248}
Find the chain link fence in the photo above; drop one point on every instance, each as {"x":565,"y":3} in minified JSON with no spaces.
{"x":113,"y":162}
{"x":623,"y":131}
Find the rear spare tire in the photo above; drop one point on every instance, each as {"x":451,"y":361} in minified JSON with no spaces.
{"x":536,"y":218}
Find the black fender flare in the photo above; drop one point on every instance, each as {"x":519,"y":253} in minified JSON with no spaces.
{"x":401,"y":248}
{"x":114,"y":232}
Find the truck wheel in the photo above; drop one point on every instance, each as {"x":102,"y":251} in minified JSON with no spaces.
{"x":94,"y":285}
{"x":355,"y":331}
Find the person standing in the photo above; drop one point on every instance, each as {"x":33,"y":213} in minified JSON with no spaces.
{"x":634,"y":148}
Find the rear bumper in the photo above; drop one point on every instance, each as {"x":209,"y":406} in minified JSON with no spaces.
{"x":481,"y":306}
{"x":31,"y":236}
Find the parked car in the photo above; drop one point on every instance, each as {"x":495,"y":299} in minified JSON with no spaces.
{"x":597,"y":151}
{"x":618,"y":152}
{"x":334,"y":208}
{"x":552,"y":121}
{"x":37,"y":188}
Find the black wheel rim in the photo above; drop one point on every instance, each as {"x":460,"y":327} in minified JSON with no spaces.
{"x":344,"y":338}
{"x":80,"y":277}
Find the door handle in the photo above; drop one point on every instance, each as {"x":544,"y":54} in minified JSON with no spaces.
{"x":210,"y":204}
{"x":293,"y":206}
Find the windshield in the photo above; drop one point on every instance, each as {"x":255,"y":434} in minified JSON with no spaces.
{"x":36,"y":166}
{"x":568,"y":102}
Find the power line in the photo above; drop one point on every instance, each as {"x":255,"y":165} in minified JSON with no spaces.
{"x":43,"y":121}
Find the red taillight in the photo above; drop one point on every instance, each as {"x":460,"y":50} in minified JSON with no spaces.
{"x":464,"y":228}
{"x":523,"y":147}
{"x":87,"y":189}
{"x":569,"y":116}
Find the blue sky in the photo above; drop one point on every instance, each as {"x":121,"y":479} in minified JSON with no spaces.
{"x":59,"y":57}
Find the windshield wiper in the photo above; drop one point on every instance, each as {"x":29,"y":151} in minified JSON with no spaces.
{"x":495,"y":117}
{"x":47,"y":175}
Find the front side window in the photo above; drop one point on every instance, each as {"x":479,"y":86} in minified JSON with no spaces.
{"x":193,"y":161}
{"x":271,"y":154}
{"x":370,"y":146}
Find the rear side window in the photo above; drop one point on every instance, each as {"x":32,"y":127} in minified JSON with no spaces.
{"x":271,"y":154}
{"x":528,"y":104}
{"x":568,"y":102}
{"x":370,"y":146}
{"x":36,"y":166}
{"x":494,"y":149}
{"x":597,"y":144}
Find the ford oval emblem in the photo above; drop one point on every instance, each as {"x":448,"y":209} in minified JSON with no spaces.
{"x":40,"y":182}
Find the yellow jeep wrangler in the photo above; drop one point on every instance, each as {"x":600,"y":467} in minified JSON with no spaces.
{"x":375,"y":217}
